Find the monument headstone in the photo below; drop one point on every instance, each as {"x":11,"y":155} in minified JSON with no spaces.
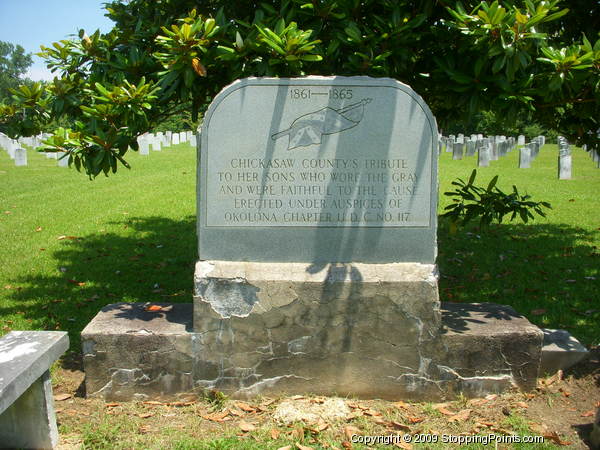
{"x":323,"y":198}
{"x":317,"y":244}
{"x":317,"y":169}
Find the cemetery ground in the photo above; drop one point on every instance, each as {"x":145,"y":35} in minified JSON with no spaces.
{"x":71,"y":246}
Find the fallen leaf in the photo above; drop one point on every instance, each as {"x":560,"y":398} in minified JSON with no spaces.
{"x":303,"y":447}
{"x":152,"y":402}
{"x":38,"y":229}
{"x":554,"y":437}
{"x":153,"y":308}
{"x":275,"y":434}
{"x":146,"y":429}
{"x":522,"y":405}
{"x":416,"y":419}
{"x":587,"y":414}
{"x":245,"y":407}
{"x":442,"y":408}
{"x":236,"y":412}
{"x":246,"y":427}
{"x":372,"y":412}
{"x":321,"y":426}
{"x":400,"y":404}
{"x":61,"y":397}
{"x":145,"y":415}
{"x":180,"y":404}
{"x":460,"y":416}
{"x":268,"y":402}
{"x":112,"y":405}
{"x":491,"y":397}
{"x":297,"y":397}
{"x":346,"y":444}
{"x":400,"y":426}
{"x":477,"y":401}
{"x":565,"y":393}
{"x":350,"y":431}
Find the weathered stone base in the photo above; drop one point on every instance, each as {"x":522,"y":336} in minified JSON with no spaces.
{"x":350,"y":329}
{"x":339,"y":333}
{"x":560,"y":351}
{"x":488,"y":348}
{"x":130,"y":353}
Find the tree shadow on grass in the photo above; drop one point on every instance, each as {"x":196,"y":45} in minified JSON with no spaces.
{"x":547,"y":272}
{"x":151,"y":260}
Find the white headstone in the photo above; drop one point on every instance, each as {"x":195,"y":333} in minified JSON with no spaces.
{"x":457,"y":150}
{"x":525,"y":157}
{"x":564,"y":163}
{"x":63,"y":160}
{"x":483,"y":158}
{"x":20,"y":157}
{"x":175,"y":139}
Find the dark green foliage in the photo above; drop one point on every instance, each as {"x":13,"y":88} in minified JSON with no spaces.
{"x":463,"y":58}
{"x":489,"y":204}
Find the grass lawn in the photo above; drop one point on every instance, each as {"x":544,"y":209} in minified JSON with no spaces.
{"x":71,"y":246}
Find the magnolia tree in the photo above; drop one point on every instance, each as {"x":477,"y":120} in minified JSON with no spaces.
{"x":518,"y":58}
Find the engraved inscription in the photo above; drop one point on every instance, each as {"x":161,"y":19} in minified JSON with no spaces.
{"x":319,"y":156}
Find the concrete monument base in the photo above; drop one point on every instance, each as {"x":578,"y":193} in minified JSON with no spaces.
{"x":352,"y":330}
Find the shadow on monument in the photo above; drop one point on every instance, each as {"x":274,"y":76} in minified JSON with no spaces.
{"x":154,"y":264}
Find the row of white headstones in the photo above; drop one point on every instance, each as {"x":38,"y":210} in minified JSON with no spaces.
{"x":491,"y":148}
{"x":494,"y":147}
{"x":17,"y":151}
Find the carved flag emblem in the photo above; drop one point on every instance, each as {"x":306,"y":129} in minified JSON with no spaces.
{"x":309,"y":128}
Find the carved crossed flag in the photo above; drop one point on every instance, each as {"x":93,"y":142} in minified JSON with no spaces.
{"x":309,"y":128}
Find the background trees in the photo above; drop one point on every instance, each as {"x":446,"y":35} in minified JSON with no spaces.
{"x":520,"y":59}
{"x":14,"y":62}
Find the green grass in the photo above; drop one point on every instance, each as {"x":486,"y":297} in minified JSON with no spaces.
{"x":549,"y":266}
{"x":135,"y":239}
{"x":131,"y":237}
